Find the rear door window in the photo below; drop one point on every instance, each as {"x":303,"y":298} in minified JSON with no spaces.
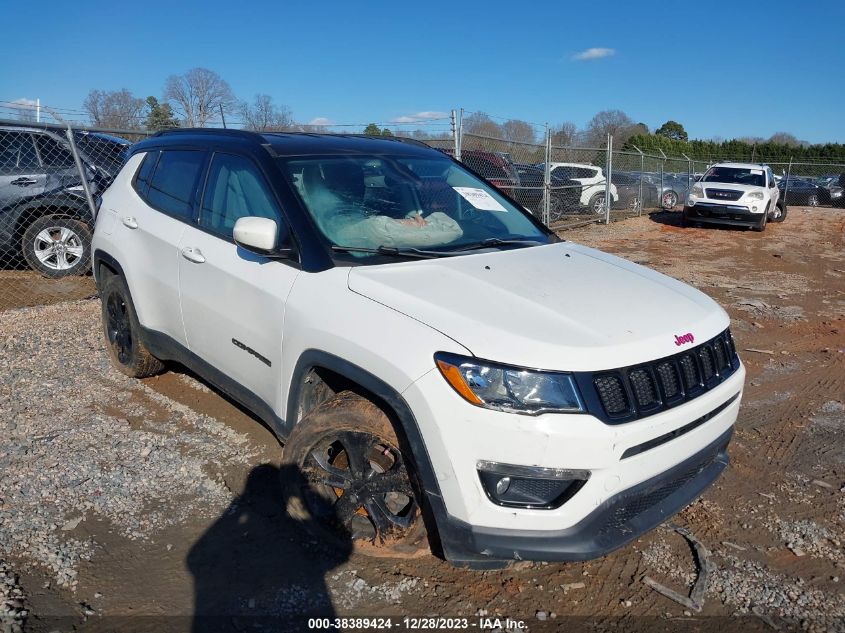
{"x":53,"y":153}
{"x":174,"y":182}
{"x":142,"y":178}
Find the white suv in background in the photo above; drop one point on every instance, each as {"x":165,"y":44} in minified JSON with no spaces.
{"x":741,"y":194}
{"x":437,"y":363}
{"x":592,"y":181}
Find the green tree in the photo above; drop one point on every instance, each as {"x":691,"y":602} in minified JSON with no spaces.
{"x":672,"y":130}
{"x":386,"y":132}
{"x":159,"y":116}
{"x":372,"y":130}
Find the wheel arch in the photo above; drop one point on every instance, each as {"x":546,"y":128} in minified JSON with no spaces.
{"x":104,"y":263}
{"x":45,"y":207}
{"x":340,"y":374}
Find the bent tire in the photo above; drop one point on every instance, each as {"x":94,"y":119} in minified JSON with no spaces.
{"x":780,"y":212}
{"x":345,"y":480}
{"x":57,"y":247}
{"x":122,"y":331}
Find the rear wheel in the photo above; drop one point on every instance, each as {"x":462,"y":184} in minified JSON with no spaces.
{"x":346,"y":478}
{"x":57,"y":247}
{"x":669,"y":200}
{"x":596,"y":204}
{"x":122,"y":331}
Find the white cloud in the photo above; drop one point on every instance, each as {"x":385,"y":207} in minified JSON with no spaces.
{"x":320,"y":120}
{"x":425,"y":115}
{"x":23,"y":103}
{"x":594,"y":53}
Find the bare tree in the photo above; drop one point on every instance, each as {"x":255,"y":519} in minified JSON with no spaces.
{"x":481,"y":124}
{"x":614,"y":122}
{"x":198,"y":96}
{"x":262,"y":115}
{"x":118,"y":109}
{"x":564,"y":135}
{"x":518,"y":131}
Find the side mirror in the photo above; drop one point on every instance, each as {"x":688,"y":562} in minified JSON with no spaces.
{"x":259,"y":235}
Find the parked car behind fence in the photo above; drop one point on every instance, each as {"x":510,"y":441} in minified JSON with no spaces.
{"x":44,"y":214}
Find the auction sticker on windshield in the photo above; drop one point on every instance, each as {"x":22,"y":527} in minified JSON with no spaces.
{"x":480,"y":199}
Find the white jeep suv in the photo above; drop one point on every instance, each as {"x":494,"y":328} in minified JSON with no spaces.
{"x":592,"y":181}
{"x":741,"y":194}
{"x":440,"y":367}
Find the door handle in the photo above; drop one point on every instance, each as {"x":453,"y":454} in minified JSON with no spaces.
{"x":24,"y":182}
{"x":193,"y":254}
{"x":129,"y":222}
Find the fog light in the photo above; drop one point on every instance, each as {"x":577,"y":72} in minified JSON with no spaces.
{"x":529,"y":486}
{"x":754,"y":209}
{"x":502,"y":485}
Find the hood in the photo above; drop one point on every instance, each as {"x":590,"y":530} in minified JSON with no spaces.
{"x":558,"y":306}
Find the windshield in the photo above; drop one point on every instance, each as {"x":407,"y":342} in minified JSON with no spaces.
{"x":736,"y":175}
{"x":404,"y":202}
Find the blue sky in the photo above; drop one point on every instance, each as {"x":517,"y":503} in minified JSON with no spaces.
{"x":722,"y":69}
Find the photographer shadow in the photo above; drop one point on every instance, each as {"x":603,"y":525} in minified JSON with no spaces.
{"x":255,"y":569}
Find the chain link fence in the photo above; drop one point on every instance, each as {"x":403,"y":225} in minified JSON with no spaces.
{"x":569,"y":186}
{"x":52,"y":173}
{"x":50,"y":178}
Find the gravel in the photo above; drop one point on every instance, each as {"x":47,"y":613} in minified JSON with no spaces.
{"x":13,"y":610}
{"x":80,"y":442}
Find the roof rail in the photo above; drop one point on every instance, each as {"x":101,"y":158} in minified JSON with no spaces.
{"x":210,"y":131}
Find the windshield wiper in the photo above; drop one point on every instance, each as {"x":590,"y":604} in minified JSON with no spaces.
{"x":413,"y":253}
{"x":495,"y":241}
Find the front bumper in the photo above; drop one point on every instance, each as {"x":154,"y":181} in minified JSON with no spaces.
{"x":720,"y":213}
{"x":617,"y":521}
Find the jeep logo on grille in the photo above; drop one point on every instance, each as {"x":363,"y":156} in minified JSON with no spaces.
{"x":681,"y":339}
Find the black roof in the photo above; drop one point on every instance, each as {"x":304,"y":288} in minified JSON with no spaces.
{"x":294,"y":143}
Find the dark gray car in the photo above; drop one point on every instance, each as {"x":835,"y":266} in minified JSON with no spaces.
{"x":43,"y":212}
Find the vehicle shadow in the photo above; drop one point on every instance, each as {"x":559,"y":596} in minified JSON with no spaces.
{"x":254,"y":569}
{"x":673,"y":218}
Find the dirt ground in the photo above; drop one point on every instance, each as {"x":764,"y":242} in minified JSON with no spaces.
{"x":774,"y":523}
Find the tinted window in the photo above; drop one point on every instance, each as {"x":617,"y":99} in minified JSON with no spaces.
{"x":174,"y":182}
{"x":142,"y":180}
{"x":53,"y":153}
{"x":234,"y":189}
{"x":17,"y":152}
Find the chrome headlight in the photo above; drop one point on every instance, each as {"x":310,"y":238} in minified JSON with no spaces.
{"x":511,"y":389}
{"x":697,"y":191}
{"x":755,"y":195}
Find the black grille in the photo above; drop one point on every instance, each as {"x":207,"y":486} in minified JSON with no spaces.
{"x":629,"y":393}
{"x":612,"y":394}
{"x":707,"y":368}
{"x":692,"y":377}
{"x":668,"y":377}
{"x":645,"y":391}
{"x":723,"y":194}
{"x":637,"y":504}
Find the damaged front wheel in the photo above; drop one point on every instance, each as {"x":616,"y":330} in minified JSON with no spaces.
{"x":347,"y":480}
